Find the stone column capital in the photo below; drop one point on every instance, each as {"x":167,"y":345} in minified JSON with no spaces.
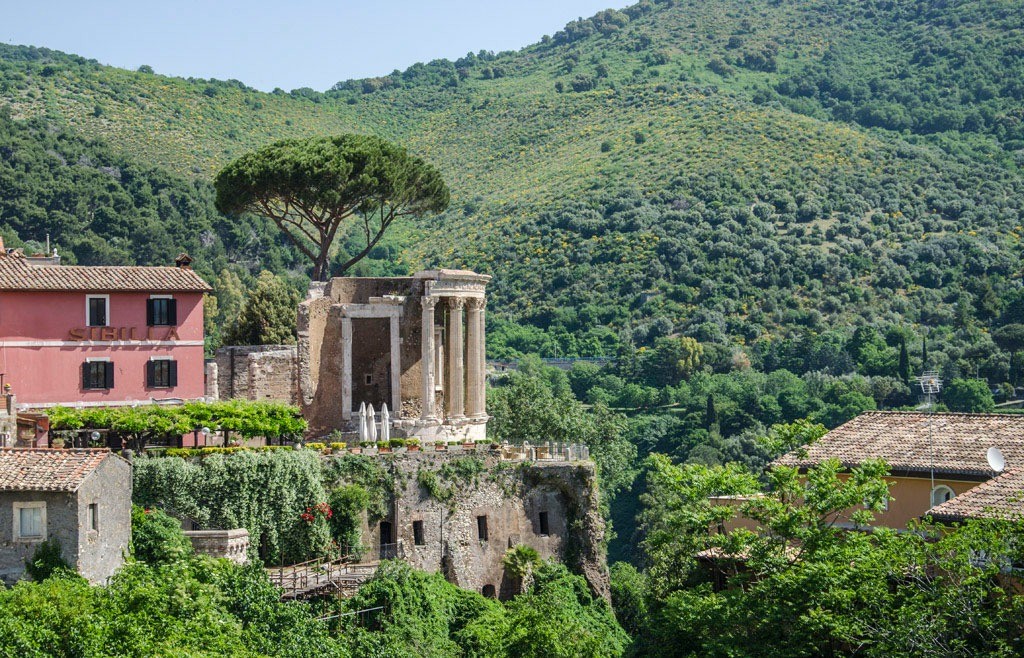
{"x":476,"y":303}
{"x":428,"y":302}
{"x":456,"y":303}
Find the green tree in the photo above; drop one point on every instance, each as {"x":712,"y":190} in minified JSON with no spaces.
{"x":267,"y":316}
{"x":310,"y":187}
{"x":904,"y":361}
{"x":968,"y":395}
{"x":157,"y":538}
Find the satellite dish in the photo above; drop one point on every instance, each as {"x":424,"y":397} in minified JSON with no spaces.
{"x":996,"y":459}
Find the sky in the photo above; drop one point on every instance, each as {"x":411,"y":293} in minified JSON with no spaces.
{"x":286,"y":43}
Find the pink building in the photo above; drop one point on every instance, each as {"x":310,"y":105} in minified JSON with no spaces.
{"x":100,"y":336}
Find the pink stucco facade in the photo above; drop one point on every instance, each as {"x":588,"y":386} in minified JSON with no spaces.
{"x":44,"y":341}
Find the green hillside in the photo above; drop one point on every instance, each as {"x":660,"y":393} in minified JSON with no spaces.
{"x":693,"y":167}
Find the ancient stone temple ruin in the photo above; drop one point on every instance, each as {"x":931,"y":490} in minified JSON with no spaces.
{"x":415,"y":344}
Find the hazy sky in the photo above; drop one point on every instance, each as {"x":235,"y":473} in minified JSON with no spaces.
{"x":285,"y":43}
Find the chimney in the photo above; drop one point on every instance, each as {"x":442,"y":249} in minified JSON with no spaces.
{"x":184,"y":261}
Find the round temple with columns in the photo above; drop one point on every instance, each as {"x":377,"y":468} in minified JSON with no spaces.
{"x":415,"y":344}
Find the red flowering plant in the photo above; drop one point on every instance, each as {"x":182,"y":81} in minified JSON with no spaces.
{"x":320,"y":510}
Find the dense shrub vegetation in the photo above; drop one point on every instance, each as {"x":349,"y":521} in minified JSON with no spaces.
{"x":805,"y":586}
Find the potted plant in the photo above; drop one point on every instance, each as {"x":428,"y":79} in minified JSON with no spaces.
{"x":440,"y":445}
{"x":413,"y":445}
{"x":338,"y":447}
{"x":383,"y":446}
{"x":468,"y":445}
{"x":57,"y":442}
{"x":368,"y":447}
{"x":397,"y":444}
{"x":356,"y":448}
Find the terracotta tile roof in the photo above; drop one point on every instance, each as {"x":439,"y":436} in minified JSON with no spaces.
{"x":42,"y":469}
{"x":16,"y":273}
{"x":999,"y":498}
{"x":958,"y":444}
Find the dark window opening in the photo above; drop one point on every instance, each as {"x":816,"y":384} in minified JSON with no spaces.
{"x":544,"y":530}
{"x":94,"y":519}
{"x":162,"y":373}
{"x":387,"y":547}
{"x":161,"y":312}
{"x":417,"y":533}
{"x":97,"y":311}
{"x":98,"y":375}
{"x":488,"y":591}
{"x":369,"y":379}
{"x":481,"y":527}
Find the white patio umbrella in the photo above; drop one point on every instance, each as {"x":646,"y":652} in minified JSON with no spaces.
{"x":363,"y":434}
{"x":371,"y":423}
{"x":385,"y":423}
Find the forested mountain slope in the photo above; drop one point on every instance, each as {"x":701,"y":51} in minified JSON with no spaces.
{"x":737,"y":171}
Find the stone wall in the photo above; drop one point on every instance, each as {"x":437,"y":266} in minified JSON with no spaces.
{"x":231,"y":544}
{"x":101,"y":552}
{"x":61,"y":524}
{"x":258,"y":372}
{"x":511,"y":496}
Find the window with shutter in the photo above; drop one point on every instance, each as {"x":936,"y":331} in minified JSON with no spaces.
{"x":162,"y":373}
{"x":161,"y":312}
{"x":97,"y":310}
{"x":97,"y":375}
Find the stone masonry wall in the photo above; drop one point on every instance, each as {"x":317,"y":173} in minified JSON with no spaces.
{"x":61,"y":523}
{"x":258,"y":372}
{"x":101,"y":552}
{"x":511,"y":496}
{"x":231,"y":544}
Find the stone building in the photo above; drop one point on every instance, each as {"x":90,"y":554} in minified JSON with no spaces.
{"x":80,"y":498}
{"x":463,"y":525}
{"x":414,"y":343}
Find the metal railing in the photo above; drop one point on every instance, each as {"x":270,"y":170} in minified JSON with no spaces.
{"x":312,"y":576}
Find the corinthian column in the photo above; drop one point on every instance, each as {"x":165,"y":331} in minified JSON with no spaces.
{"x":456,"y":368}
{"x":427,"y":358}
{"x":474,"y":359}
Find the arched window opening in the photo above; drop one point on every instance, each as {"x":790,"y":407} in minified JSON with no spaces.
{"x":941,"y":494}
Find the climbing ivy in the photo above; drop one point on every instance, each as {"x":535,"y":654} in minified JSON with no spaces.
{"x":264,"y":492}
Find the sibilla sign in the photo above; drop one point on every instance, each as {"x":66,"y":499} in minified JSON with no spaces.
{"x":120,"y":333}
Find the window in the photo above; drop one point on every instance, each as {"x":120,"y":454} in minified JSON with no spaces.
{"x":481,"y":527}
{"x":161,"y":312}
{"x":97,"y":310}
{"x":941,"y":494}
{"x":488,"y":591}
{"x":162,"y":373}
{"x":544,"y":524}
{"x":97,"y":375}
{"x":94,"y":517}
{"x":30,"y":521}
{"x":369,"y":379}
{"x":417,"y":533}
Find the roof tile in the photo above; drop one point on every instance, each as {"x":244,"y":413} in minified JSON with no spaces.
{"x":44,"y":469}
{"x":951,"y":443}
{"x":999,"y":498}
{"x":17,"y":273}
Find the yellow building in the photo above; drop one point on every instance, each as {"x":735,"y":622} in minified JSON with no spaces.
{"x":933,"y":458}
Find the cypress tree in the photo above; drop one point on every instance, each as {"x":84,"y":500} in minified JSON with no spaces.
{"x":904,"y":364}
{"x":711,"y":414}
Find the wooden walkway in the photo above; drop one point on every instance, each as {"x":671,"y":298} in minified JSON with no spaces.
{"x":318,"y":577}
